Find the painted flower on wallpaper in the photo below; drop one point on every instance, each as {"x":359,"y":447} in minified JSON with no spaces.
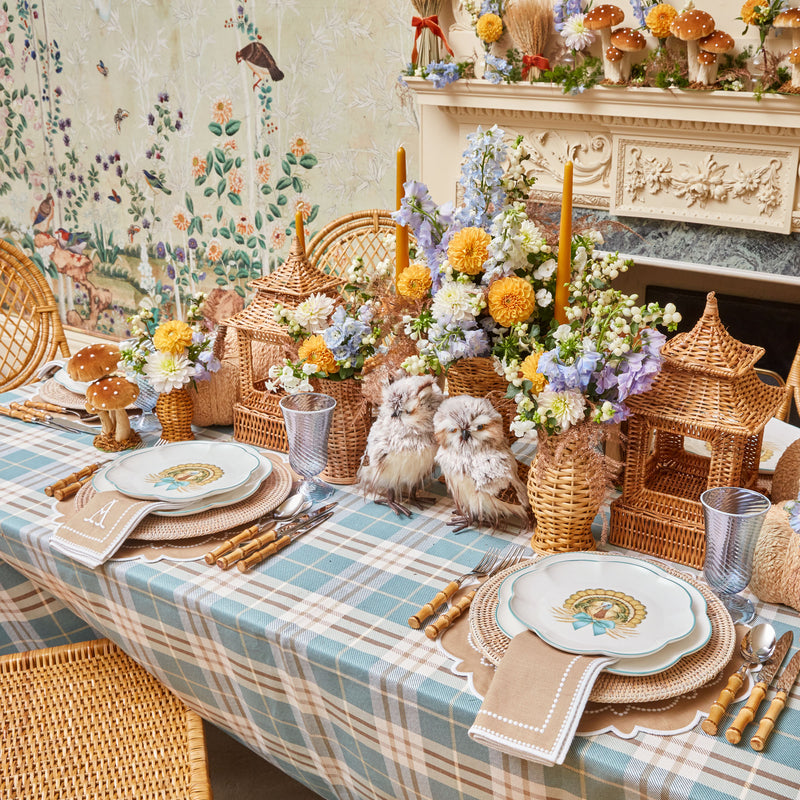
{"x":299,"y":146}
{"x":303,"y":205}
{"x":222,"y":110}
{"x":214,"y":250}
{"x":235,"y":181}
{"x":263,"y":170}
{"x":277,"y":237}
{"x":199,"y":165}
{"x":181,"y":218}
{"x":244,"y":226}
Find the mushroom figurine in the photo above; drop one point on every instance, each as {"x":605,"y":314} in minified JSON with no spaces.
{"x":790,"y":18}
{"x":109,"y":397}
{"x":93,"y":362}
{"x":613,"y":57}
{"x":794,"y":60}
{"x":690,"y":26}
{"x":716,"y":43}
{"x":602,"y":19}
{"x":628,"y":41}
{"x":706,"y":63}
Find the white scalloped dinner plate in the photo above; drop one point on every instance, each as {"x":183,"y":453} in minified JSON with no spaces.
{"x":183,"y":472}
{"x":261,"y":473}
{"x":78,"y":387}
{"x":599,"y":604}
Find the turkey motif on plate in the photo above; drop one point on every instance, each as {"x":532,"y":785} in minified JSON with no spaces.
{"x":605,"y":605}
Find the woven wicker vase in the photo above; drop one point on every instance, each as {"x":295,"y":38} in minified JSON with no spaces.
{"x":474,"y":376}
{"x":174,"y":411}
{"x":566,"y":485}
{"x":350,"y":426}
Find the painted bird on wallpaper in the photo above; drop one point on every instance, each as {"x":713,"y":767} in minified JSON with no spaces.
{"x":260,"y":61}
{"x":132,"y":231}
{"x":154,"y":182}
{"x":114,"y":196}
{"x":477,"y":463}
{"x":401,"y":448}
{"x":74,"y":242}
{"x":119,"y":115}
{"x":102,"y":68}
{"x":43,"y":215}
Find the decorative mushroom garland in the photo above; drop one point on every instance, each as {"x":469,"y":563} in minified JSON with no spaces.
{"x":628,"y":41}
{"x":602,"y":19}
{"x":691,"y":26}
{"x":716,"y":43}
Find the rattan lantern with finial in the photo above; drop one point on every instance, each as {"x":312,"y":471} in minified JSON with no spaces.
{"x":262,"y":341}
{"x":708,"y":390}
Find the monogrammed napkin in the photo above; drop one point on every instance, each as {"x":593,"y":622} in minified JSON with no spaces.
{"x":536,"y":699}
{"x":93,"y":534}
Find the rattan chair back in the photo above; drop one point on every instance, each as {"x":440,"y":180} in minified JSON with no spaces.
{"x":85,"y":720}
{"x":30,"y":327}
{"x":359,"y":234}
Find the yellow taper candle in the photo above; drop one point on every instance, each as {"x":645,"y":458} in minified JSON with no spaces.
{"x":301,"y":231}
{"x":401,"y":231}
{"x":564,"y":272}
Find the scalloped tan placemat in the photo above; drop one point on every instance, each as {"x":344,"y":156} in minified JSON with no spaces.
{"x":51,"y":391}
{"x":691,"y":672}
{"x":272,"y":492}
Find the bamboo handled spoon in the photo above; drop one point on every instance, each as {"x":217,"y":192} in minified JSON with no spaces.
{"x":757,"y":646}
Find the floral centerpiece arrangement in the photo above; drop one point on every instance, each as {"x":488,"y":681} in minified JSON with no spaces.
{"x":166,"y":355}
{"x":576,"y":379}
{"x":484,"y":272}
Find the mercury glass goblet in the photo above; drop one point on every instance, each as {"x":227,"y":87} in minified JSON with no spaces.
{"x":308,"y":418}
{"x":733,"y":519}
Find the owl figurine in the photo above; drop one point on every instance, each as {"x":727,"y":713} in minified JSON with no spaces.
{"x":401,"y":448}
{"x":477,"y":463}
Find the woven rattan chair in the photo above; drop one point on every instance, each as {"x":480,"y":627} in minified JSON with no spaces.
{"x":85,"y":722}
{"x":30,"y":327}
{"x":357,"y":234}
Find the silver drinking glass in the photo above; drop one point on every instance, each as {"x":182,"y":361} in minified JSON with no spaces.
{"x":308,"y":421}
{"x":733,"y":519}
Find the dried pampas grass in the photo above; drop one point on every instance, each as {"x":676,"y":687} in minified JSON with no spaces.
{"x":529,"y":22}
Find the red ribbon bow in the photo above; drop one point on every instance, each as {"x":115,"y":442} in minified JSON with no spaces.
{"x":432,"y":24}
{"x":540,"y":62}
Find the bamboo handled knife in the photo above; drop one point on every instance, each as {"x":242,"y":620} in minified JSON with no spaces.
{"x":783,"y":685}
{"x":746,"y":714}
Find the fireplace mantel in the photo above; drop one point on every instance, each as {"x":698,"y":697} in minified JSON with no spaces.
{"x":719,"y":158}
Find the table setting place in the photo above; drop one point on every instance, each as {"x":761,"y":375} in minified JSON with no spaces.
{"x":621,"y":644}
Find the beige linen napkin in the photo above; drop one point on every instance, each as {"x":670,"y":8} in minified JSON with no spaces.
{"x":536,"y":699}
{"x":94,"y":533}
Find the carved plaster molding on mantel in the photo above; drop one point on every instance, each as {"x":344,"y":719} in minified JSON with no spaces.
{"x":719,"y":158}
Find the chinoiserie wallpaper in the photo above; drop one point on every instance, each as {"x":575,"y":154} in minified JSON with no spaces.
{"x":163,"y":147}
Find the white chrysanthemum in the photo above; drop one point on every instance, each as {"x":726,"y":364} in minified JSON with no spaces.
{"x":530,"y":237}
{"x":313,"y":313}
{"x":575,"y":33}
{"x":455,"y":300}
{"x":567,"y":407}
{"x":166,"y":371}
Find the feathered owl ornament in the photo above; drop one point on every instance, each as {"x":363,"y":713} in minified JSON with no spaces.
{"x":477,"y":463}
{"x":401,"y":448}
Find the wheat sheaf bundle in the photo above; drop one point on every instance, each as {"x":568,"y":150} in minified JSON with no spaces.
{"x":428,"y":43}
{"x":529,"y":23}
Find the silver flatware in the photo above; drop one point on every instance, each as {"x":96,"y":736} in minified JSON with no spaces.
{"x":783,"y":685}
{"x":746,"y":714}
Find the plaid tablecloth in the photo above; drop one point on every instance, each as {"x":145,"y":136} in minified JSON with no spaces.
{"x":309,"y":660}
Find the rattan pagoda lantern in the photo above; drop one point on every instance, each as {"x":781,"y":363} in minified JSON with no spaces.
{"x":708,"y":390}
{"x":257,"y":417}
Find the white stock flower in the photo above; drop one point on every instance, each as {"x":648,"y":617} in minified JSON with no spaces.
{"x":543,"y":298}
{"x":313,"y":313}
{"x":544,"y":271}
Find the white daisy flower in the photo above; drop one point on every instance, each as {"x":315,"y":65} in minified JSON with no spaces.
{"x":575,"y":33}
{"x":166,"y":371}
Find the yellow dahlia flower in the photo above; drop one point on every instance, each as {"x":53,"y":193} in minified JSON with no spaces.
{"x":489,"y":28}
{"x":749,"y":14}
{"x":314,"y":351}
{"x":528,"y":371}
{"x":511,"y":300}
{"x":414,"y":281}
{"x":172,"y":337}
{"x":659,"y":20}
{"x":468,"y":250}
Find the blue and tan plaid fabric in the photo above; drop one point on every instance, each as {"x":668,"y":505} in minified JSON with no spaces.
{"x":309,"y":660}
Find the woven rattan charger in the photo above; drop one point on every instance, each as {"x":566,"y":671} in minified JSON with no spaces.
{"x":272,"y":492}
{"x":689,"y":673}
{"x":86,"y":721}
